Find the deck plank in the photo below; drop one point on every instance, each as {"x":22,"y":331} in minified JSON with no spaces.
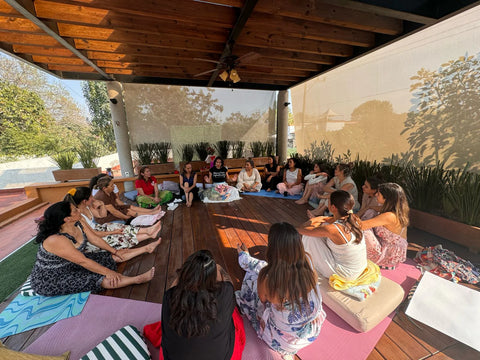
{"x":219,"y":227}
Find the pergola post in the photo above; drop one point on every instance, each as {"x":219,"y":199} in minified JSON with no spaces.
{"x":120,"y":128}
{"x":282,"y":125}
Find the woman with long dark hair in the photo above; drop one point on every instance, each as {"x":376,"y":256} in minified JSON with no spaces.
{"x":62,"y":266}
{"x":341,"y":181}
{"x":280,"y":296}
{"x":370,"y":206}
{"x":188,"y":184}
{"x":336,"y":243}
{"x":292,"y":179}
{"x":197,"y":312}
{"x":386,"y":234}
{"x":119,"y":236}
{"x":220,"y":191}
{"x":272,"y":174}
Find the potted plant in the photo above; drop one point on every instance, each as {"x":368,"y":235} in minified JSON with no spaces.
{"x":65,"y":161}
{"x":187,"y":152}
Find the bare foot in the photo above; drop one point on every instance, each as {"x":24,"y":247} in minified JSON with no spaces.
{"x":269,"y":190}
{"x":189,"y":204}
{"x":310,"y":214}
{"x":152,"y":246}
{"x":146,"y":276}
{"x":300,"y":202}
{"x":158,"y":208}
{"x":157,"y":230}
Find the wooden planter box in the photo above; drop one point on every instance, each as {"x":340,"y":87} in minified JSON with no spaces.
{"x":75,"y":174}
{"x":463,"y":234}
{"x":260,"y":161}
{"x":159,"y":169}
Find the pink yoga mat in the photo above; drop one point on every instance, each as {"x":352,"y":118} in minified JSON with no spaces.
{"x":340,"y":341}
{"x":100,"y":318}
{"x":103,"y":315}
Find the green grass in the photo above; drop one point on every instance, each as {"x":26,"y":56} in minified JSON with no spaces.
{"x":15,"y":269}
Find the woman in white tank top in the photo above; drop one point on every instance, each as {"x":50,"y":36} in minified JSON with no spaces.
{"x":292,"y":180}
{"x":336,"y":244}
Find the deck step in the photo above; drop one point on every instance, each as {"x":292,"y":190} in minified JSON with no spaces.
{"x":9,"y":216}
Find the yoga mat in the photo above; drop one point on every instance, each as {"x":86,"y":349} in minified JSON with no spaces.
{"x":30,"y":312}
{"x":340,"y":341}
{"x":447,"y":307}
{"x":272,"y":194}
{"x":101,"y":317}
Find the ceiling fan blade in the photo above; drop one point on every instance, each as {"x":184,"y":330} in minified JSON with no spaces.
{"x":248,"y":57}
{"x":205,"y":72}
{"x":207,"y":60}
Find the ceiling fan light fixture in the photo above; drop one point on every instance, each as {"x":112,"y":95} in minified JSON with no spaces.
{"x":224,"y":75}
{"x":234,"y":76}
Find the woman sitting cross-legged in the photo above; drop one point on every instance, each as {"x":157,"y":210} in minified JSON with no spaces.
{"x":199,"y":319}
{"x":272,"y":174}
{"x":336,"y":243}
{"x":147,"y":187}
{"x":220,"y":191}
{"x":281,"y":297}
{"x":249,"y":179}
{"x":316,"y":181}
{"x":62,"y":267}
{"x":341,"y":181}
{"x":292,"y":179}
{"x":116,"y":209}
{"x":386,"y":234}
{"x":118,"y":236}
{"x":188,"y":184}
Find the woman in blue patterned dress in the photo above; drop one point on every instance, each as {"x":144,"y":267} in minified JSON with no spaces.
{"x":280,"y":296}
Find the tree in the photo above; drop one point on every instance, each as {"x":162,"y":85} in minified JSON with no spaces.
{"x":95,"y":93}
{"x":444,"y":121}
{"x":237,"y":124}
{"x":24,"y":122}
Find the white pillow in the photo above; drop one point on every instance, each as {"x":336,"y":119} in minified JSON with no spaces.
{"x":147,"y":220}
{"x":126,"y":343}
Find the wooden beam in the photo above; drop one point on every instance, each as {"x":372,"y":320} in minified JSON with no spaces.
{"x":293,"y":44}
{"x":188,"y":11}
{"x":27,"y":39}
{"x":18,"y":24}
{"x":281,"y":25}
{"x":42,"y":50}
{"x":330,"y":14}
{"x":71,"y":68}
{"x":281,"y":54}
{"x":382,"y":11}
{"x":129,"y":37}
{"x":134,"y":55}
{"x":273,"y":71}
{"x":57,"y":60}
{"x":6,"y":9}
{"x":284,"y":64}
{"x":110,"y":46}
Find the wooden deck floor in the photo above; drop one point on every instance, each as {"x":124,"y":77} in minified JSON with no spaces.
{"x":219,"y":227}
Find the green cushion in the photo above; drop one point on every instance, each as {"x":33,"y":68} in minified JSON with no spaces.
{"x":126,"y":343}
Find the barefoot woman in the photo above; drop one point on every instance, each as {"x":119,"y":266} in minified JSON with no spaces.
{"x":63,"y":268}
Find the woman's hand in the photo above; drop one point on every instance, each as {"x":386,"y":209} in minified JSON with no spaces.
{"x":113,"y":278}
{"x":242,"y":248}
{"x":319,"y":220}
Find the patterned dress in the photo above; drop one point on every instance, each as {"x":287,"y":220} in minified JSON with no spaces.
{"x":285,"y":331}
{"x":53,"y":275}
{"x":118,"y":241}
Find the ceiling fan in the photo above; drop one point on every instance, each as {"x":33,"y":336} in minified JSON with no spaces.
{"x":229,"y":66}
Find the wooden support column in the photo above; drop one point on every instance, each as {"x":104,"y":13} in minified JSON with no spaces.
{"x":282,"y":125}
{"x":120,"y":128}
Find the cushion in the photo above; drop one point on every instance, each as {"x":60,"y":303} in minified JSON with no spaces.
{"x":131,"y":195}
{"x":26,"y":289}
{"x":363,"y":315}
{"x":7,"y":354}
{"x":126,"y":343}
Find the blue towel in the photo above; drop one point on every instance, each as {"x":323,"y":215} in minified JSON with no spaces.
{"x":30,"y":312}
{"x":272,"y":194}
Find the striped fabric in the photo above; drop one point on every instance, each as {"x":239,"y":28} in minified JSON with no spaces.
{"x":26,"y":289}
{"x":126,"y":343}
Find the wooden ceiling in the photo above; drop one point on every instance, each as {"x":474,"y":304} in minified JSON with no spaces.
{"x":273,"y":44}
